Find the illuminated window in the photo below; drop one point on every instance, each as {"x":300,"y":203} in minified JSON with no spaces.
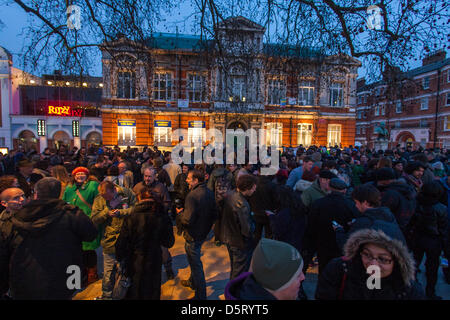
{"x":304,"y":134}
{"x":127,"y":135}
{"x":163,"y":134}
{"x":274,"y":134}
{"x":337,"y":94}
{"x":306,"y":93}
{"x":196,"y":135}
{"x":334,"y":135}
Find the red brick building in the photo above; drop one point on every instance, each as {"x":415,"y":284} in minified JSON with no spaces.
{"x":415,"y":109}
{"x":172,"y":81}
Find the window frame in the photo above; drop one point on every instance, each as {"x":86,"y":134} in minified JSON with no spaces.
{"x":156,"y":94}
{"x":121,"y":85}
{"x":422,"y":103}
{"x":339,"y":87}
{"x":330,"y":132}
{"x":308,"y":132}
{"x":197,"y":86}
{"x":308,"y":87}
{"x":276,"y":85}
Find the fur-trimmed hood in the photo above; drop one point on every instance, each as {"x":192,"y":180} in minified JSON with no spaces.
{"x":396,"y":247}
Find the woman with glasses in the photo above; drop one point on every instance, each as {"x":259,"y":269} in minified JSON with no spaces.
{"x":376,"y":266}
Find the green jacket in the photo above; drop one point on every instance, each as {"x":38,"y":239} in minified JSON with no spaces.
{"x":357,"y":171}
{"x":313,"y":193}
{"x":89,"y":191}
{"x":111,"y":225}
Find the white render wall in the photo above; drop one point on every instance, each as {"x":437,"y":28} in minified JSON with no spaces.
{"x":87,"y":125}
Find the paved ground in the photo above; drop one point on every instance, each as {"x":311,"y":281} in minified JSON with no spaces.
{"x":216,"y":265}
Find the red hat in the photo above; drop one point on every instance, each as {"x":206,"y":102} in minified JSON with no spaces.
{"x":80,"y":169}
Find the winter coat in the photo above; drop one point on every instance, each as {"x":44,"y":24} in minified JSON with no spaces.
{"x":376,"y":218}
{"x":400,"y":198}
{"x":89,"y":191}
{"x":110,"y":225}
{"x":199,"y":213}
{"x":46,"y":239}
{"x":345,"y":278}
{"x":245,"y":287}
{"x":138,"y":247}
{"x":263,"y":199}
{"x":320,"y":236}
{"x":312,"y":194}
{"x":302,"y":185}
{"x":237,"y":225}
{"x":215,"y":175}
{"x":181,"y":187}
{"x":430,"y":220}
{"x":289,"y":227}
{"x":357,"y":172}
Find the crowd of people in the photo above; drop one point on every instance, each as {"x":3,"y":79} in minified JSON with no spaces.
{"x":113,"y":214}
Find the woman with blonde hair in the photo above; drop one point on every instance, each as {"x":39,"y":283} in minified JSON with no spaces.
{"x":59,"y":172}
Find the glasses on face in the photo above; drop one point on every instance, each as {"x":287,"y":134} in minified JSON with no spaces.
{"x":367,"y":256}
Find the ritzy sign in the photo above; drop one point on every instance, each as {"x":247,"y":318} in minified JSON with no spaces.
{"x":65,"y":111}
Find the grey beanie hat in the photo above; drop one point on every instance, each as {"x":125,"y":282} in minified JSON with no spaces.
{"x":274,"y":263}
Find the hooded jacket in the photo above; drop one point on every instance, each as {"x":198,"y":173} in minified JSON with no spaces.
{"x":46,"y":238}
{"x":400,"y":285}
{"x":245,"y":287}
{"x":376,"y":218}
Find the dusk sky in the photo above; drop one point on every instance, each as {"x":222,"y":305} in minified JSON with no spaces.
{"x":15,"y":19}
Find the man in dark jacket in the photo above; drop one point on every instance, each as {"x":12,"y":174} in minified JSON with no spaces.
{"x":429,"y":233}
{"x":237,"y":225}
{"x":197,"y":218}
{"x":320,"y":236}
{"x":44,"y":246}
{"x":263,"y":199}
{"x":399,"y":197}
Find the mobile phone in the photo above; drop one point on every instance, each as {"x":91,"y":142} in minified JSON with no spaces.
{"x":334,"y":223}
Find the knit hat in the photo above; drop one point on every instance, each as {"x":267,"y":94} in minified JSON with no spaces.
{"x":274,"y":263}
{"x":80,"y":169}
